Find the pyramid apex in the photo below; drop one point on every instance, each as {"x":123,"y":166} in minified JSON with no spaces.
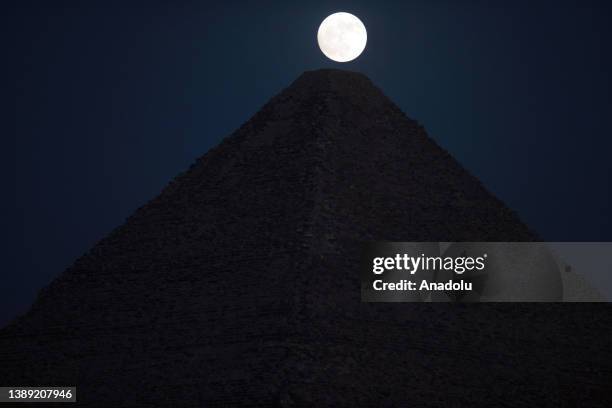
{"x":334,"y":75}
{"x":334,"y":71}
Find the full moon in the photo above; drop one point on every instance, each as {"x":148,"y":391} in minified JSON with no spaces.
{"x":342,"y":37}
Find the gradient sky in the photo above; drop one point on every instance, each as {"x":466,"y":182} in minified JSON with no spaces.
{"x":108,"y":101}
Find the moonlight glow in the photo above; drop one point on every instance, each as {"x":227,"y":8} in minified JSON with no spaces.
{"x":342,"y":37}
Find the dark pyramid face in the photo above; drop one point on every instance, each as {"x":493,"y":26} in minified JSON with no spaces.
{"x":239,"y":283}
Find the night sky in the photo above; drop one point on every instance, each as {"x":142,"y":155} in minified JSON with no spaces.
{"x":108,"y":101}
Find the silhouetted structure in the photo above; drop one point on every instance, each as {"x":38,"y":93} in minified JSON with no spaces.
{"x":239,"y":283}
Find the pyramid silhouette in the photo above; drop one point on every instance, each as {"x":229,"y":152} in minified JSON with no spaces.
{"x":239,"y":284}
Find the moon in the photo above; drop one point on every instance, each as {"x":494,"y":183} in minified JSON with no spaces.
{"x":342,"y":37}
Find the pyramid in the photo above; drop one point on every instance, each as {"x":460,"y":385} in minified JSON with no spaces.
{"x":239,"y":286}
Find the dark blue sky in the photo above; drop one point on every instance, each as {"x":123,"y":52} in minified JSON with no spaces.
{"x":108,"y":101}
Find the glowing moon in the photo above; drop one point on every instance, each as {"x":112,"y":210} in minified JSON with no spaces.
{"x":342,"y":37}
